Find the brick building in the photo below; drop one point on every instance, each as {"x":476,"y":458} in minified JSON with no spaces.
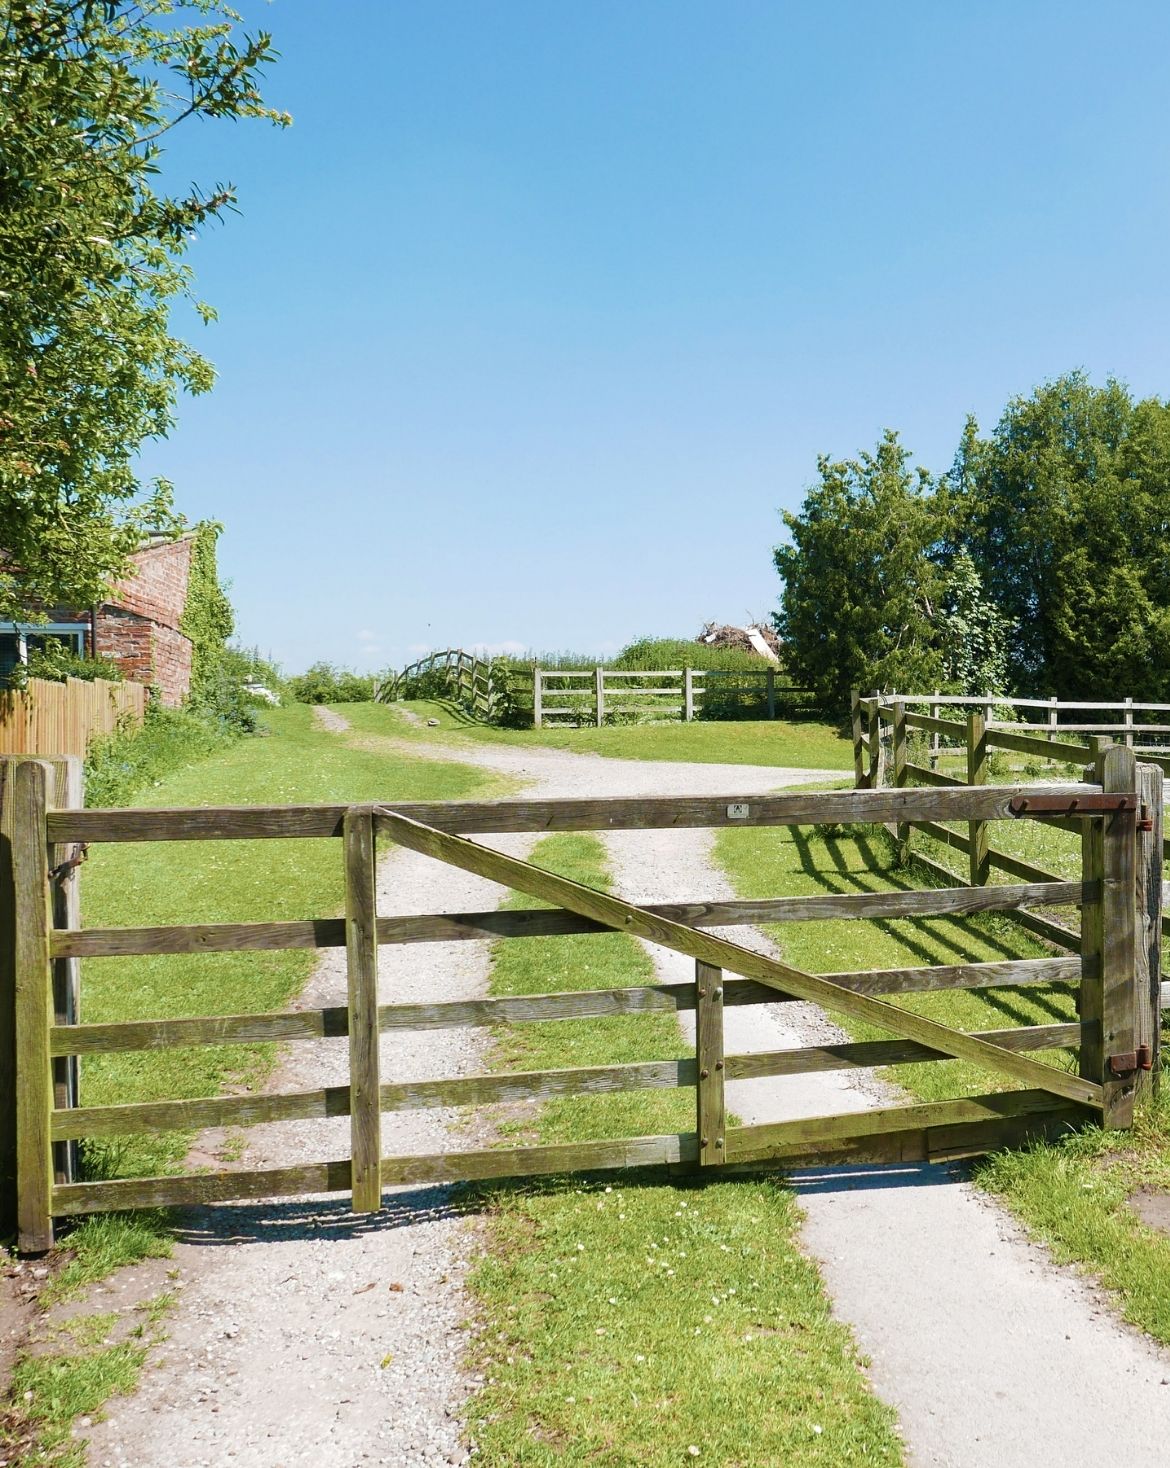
{"x":137,"y":627}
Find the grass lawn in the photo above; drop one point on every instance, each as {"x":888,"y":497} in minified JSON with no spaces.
{"x":803,"y":745}
{"x":1072,"y":1194}
{"x":639,"y":1321}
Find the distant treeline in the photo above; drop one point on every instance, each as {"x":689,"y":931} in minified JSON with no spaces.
{"x":1037,"y":564}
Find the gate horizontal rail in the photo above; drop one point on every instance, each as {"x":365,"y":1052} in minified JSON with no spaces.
{"x":1052,"y":1099}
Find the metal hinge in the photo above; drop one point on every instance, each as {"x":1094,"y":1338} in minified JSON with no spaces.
{"x":1130,"y":1060}
{"x":1071,"y":805}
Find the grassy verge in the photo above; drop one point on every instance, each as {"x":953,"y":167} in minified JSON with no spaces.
{"x":1074,"y":1194}
{"x":170,"y":882}
{"x":638,"y":1322}
{"x":803,"y":745}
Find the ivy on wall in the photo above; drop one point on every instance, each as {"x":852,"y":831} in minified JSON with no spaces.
{"x":208,"y":619}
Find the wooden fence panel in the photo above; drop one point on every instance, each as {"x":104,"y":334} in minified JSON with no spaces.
{"x":47,"y":719}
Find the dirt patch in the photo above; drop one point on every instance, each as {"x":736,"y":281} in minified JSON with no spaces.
{"x":1152,"y":1206}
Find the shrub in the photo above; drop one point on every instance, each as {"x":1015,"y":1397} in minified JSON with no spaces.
{"x":324,"y":683}
{"x":55,"y":662}
{"x":136,"y":755}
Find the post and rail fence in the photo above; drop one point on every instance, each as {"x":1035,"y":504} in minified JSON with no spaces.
{"x":1046,"y":1099}
{"x":590,"y":696}
{"x":974,"y":739}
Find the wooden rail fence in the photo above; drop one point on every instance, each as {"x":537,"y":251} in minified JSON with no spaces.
{"x":977,"y":738}
{"x":1046,"y":1098}
{"x":463,"y":676}
{"x":593,"y":695}
{"x":47,"y":718}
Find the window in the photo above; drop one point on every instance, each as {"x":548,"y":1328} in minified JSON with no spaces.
{"x":18,"y":639}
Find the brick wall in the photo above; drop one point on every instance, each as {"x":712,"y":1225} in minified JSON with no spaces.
{"x":138,"y":626}
{"x":158,"y":587}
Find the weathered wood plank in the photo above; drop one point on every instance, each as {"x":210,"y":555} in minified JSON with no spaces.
{"x":1148,"y":951}
{"x":533,"y":923}
{"x":32,"y":920}
{"x":1117,"y":770}
{"x":479,"y":1090}
{"x":328,"y":1023}
{"x":1050,"y":749}
{"x":978,"y":847}
{"x":721,"y":953}
{"x":334,"y":1177}
{"x":362,"y":989}
{"x":933,"y":778}
{"x":776,"y":1140}
{"x":238,"y":823}
{"x":710,"y":1105}
{"x":946,"y":728}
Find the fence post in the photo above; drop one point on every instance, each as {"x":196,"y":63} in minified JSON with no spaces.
{"x":859,"y":778}
{"x":1129,"y":722}
{"x":688,"y":695}
{"x":32,"y":918}
{"x":361,"y":944}
{"x":599,"y":694}
{"x":771,"y":691}
{"x":537,"y":698}
{"x":980,"y":863}
{"x":1053,"y":717}
{"x":711,"y":1114}
{"x":902,"y":831}
{"x":1148,"y":976}
{"x":7,"y":1006}
{"x":1109,"y":942}
{"x":934,"y":744}
{"x":67,"y":793}
{"x":875,"y":744}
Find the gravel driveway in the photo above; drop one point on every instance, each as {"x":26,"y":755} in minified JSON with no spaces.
{"x":304,"y":1336}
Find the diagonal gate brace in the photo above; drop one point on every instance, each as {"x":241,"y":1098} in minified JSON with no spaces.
{"x":626,"y":917}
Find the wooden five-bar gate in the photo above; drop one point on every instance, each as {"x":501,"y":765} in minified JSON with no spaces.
{"x":1108,"y":973}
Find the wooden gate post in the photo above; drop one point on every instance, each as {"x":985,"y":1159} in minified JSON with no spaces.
{"x":902,"y":830}
{"x":980,"y":860}
{"x":875,"y":743}
{"x":711,"y":1112}
{"x":1109,"y":943}
{"x":537,"y":698}
{"x":688,"y":695}
{"x":859,"y":777}
{"x":361,"y":945}
{"x":770,"y":691}
{"x":1148,"y":977}
{"x":32,"y":918}
{"x":599,"y":694}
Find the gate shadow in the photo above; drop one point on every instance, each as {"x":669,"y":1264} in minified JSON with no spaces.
{"x":291,"y":1220}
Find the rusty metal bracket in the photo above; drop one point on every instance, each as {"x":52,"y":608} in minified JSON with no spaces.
{"x":80,"y":853}
{"x":1071,"y":805}
{"x":1130,"y":1061}
{"x":1145,"y":819}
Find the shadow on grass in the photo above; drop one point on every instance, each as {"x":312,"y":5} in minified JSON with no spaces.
{"x":328,"y":1219}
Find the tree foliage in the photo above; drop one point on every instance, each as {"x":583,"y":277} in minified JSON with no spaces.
{"x":1037,"y":565}
{"x":862,"y":589}
{"x":91,"y":263}
{"x":1066,"y":509}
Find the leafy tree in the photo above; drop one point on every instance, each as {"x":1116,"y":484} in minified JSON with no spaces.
{"x":91,"y":263}
{"x":862,"y":586}
{"x":1066,"y":508}
{"x":972,"y":634}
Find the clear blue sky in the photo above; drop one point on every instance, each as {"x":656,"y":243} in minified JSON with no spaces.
{"x":540,"y":312}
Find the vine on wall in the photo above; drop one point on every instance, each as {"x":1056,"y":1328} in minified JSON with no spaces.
{"x":208,"y":619}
